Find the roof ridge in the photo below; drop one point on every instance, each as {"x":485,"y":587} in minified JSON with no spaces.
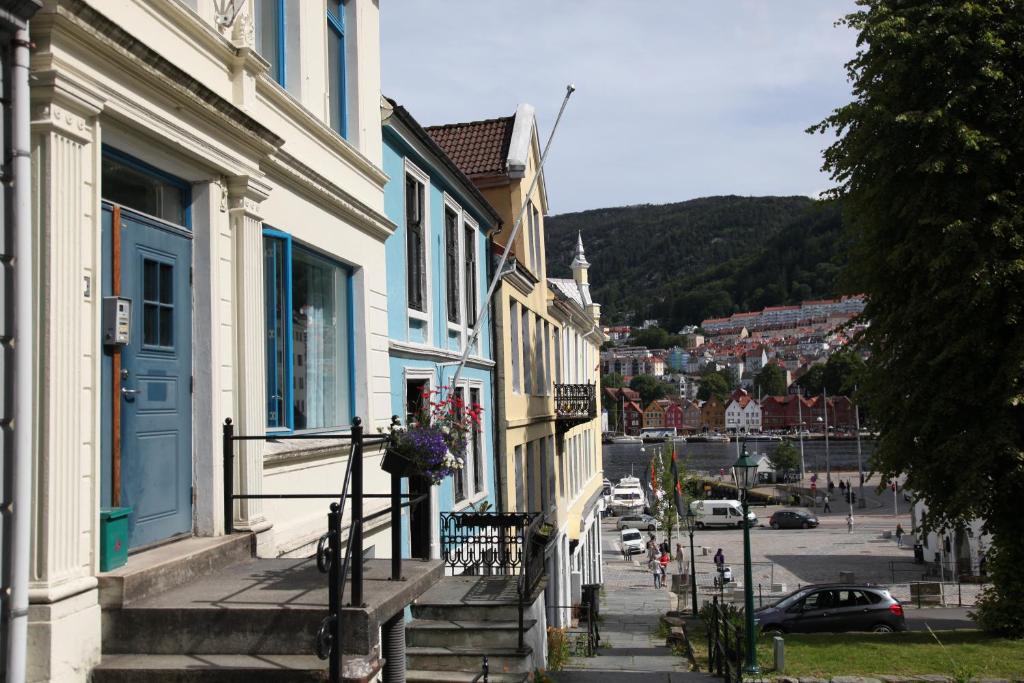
{"x":460,"y":124}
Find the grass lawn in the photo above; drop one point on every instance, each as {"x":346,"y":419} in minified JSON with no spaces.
{"x":962,"y":653}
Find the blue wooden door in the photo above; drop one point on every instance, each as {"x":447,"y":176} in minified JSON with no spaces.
{"x":156,"y":379}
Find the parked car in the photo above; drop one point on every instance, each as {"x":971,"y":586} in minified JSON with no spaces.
{"x":638,"y":522}
{"x":727,"y":513}
{"x":632,"y":541}
{"x":832,"y":608}
{"x":793,"y":518}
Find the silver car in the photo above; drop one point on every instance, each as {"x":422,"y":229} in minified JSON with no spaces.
{"x":638,"y":522}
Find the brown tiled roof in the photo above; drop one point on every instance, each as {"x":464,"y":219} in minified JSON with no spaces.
{"x":479,"y":148}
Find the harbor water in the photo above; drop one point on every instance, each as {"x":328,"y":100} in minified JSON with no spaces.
{"x":710,"y":458}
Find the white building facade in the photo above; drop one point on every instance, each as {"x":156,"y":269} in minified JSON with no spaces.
{"x":193,"y":165}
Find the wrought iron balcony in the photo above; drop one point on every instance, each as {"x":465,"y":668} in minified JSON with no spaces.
{"x":575,"y":403}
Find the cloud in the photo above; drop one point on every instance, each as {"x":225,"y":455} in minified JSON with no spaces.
{"x":676,"y":99}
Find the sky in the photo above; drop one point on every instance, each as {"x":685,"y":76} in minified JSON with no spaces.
{"x":675,"y":99}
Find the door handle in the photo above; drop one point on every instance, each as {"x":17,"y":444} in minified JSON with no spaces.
{"x":129,"y":394}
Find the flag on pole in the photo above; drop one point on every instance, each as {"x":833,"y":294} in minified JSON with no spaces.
{"x":676,"y":486}
{"x":654,"y":479}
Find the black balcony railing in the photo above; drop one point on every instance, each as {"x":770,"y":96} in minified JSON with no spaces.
{"x":575,"y":402}
{"x":484,"y":542}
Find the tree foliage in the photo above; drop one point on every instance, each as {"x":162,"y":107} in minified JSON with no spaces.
{"x":840,"y":374}
{"x":613,"y":380}
{"x":715,"y":383}
{"x":928,"y":164}
{"x":649,"y":388}
{"x":771,"y":381}
{"x":785,"y":457}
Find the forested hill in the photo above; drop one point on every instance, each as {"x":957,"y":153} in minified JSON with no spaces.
{"x":702,"y":258}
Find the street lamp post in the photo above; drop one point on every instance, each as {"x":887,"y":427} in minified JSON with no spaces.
{"x":744,"y":471}
{"x":688,"y":520}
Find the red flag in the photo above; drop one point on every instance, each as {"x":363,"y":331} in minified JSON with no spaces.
{"x":654,"y":478}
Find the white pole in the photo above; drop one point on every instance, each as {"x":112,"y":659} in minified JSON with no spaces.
{"x":860,"y":467}
{"x":485,"y":302}
{"x":828,"y":461}
{"x":23,"y":345}
{"x":800,"y":431}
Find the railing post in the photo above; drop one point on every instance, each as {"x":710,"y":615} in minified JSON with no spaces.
{"x":228,"y":449}
{"x":334,"y":589}
{"x":396,"y":527}
{"x":357,"y":512}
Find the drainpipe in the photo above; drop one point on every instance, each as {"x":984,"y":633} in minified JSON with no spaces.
{"x":21,"y":215}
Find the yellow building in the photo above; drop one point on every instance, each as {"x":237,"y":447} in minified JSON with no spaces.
{"x":547,"y":340}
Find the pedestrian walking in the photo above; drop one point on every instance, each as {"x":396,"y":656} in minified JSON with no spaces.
{"x":842,"y":487}
{"x":831,"y":486}
{"x":849,"y":523}
{"x":655,"y":568}
{"x":664,"y":547}
{"x":652,"y":551}
{"x":899,"y":535}
{"x":827,"y":508}
{"x":663,"y":565}
{"x":719,"y":560}
{"x":679,"y":558}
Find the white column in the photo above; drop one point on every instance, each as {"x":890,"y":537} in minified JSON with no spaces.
{"x":244,"y":197}
{"x":64,"y":615}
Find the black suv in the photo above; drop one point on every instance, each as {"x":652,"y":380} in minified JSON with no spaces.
{"x":832,"y":608}
{"x":793,"y":518}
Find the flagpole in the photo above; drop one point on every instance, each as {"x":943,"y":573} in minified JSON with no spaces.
{"x":485,"y":302}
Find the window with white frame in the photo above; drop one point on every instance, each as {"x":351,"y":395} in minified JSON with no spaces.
{"x":537,"y":246}
{"x":451,"y":261}
{"x":547,"y":357}
{"x":459,"y":477}
{"x":309,"y":337}
{"x":519,"y":479}
{"x":416,"y":242}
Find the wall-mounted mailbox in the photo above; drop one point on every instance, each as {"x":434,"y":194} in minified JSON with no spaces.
{"x":117,"y":320}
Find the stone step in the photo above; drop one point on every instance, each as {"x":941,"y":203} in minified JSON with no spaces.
{"x":477,"y":634}
{"x":201,"y":631}
{"x":426,"y":676}
{"x":469,"y":659}
{"x":219,"y":668}
{"x":168,"y":566}
{"x":465,"y":612}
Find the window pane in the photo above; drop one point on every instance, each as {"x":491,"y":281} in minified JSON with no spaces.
{"x":513,"y":317}
{"x":150,"y":325}
{"x":459,"y":477}
{"x":166,"y":326}
{"x":166,"y":283}
{"x":470,"y":275}
{"x":150,"y":286}
{"x":277,"y":340}
{"x":134,"y":188}
{"x":336,"y":77}
{"x":414,"y":243}
{"x":451,"y":241}
{"x":478,"y":445}
{"x":268,"y":24}
{"x":320,"y":337}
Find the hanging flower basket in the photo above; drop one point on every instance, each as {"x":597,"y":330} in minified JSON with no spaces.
{"x":433,"y":446}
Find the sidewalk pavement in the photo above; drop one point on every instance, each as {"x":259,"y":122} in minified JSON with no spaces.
{"x":630,"y":650}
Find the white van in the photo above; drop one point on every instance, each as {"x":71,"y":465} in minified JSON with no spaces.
{"x":724,"y":513}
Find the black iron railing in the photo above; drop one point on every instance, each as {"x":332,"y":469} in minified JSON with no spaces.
{"x":575,"y":402}
{"x":484,"y":542}
{"x":330,"y":558}
{"x":725,"y":645}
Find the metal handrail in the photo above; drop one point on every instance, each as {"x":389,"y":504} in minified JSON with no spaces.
{"x":329,"y":643}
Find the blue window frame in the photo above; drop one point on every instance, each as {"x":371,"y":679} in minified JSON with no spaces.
{"x":131,"y":182}
{"x":270,"y":32}
{"x":309,"y":343}
{"x":336,"y":66}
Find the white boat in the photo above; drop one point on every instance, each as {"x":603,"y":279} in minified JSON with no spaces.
{"x":626,"y":438}
{"x":657,"y":434}
{"x":627,"y":497}
{"x":709,"y":438}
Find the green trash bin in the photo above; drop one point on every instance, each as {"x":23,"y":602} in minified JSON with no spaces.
{"x":113,"y":538}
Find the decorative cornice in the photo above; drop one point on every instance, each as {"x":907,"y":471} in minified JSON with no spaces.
{"x":80,"y":17}
{"x":318,"y":187}
{"x":278,"y":97}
